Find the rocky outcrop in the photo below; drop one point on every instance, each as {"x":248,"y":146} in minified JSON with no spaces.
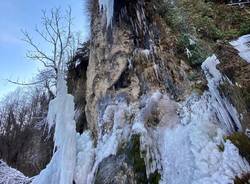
{"x":126,"y":61}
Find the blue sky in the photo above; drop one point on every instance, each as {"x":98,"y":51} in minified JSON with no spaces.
{"x":25,"y":14}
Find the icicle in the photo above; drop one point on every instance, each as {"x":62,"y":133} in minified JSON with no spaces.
{"x":108,"y":8}
{"x":130,"y":65}
{"x":61,"y":168}
{"x":225,"y":110}
{"x":189,"y":54}
{"x":108,"y":142}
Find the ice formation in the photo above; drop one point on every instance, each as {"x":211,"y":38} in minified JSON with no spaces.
{"x":107,"y":6}
{"x":85,"y":157}
{"x":243,"y":46}
{"x":108,"y":142}
{"x":225,"y":111}
{"x":61,"y":168}
{"x":190,"y":151}
{"x":9,"y":175}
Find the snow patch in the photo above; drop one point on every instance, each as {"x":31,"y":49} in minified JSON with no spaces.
{"x":188,"y":53}
{"x":9,"y":175}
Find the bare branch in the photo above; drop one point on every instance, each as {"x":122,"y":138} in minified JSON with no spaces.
{"x":56,"y":32}
{"x":25,"y":84}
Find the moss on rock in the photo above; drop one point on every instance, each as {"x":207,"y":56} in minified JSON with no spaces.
{"x":242,"y":142}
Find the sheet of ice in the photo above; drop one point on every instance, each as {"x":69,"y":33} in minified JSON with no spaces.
{"x":242,"y":44}
{"x":108,"y":8}
{"x":61,"y":168}
{"x":10,"y":175}
{"x":108,"y":141}
{"x":225,"y":110}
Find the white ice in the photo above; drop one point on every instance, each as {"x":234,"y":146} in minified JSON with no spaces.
{"x":108,"y":8}
{"x":225,"y":110}
{"x":190,"y":151}
{"x":242,"y":44}
{"x":85,"y":157}
{"x":109,"y":140}
{"x":61,"y":168}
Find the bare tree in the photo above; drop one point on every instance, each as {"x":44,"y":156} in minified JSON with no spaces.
{"x":60,"y":42}
{"x":22,"y":119}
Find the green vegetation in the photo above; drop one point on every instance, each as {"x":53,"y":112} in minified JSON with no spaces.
{"x":154,"y":178}
{"x":133,"y":153}
{"x":221,"y":147}
{"x":138,"y":162}
{"x":196,"y":54}
{"x":215,"y":21}
{"x":242,"y":142}
{"x":206,"y":21}
{"x":135,"y":158}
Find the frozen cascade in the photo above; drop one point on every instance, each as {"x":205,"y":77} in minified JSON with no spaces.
{"x":108,"y":142}
{"x":243,"y":46}
{"x":61,"y":168}
{"x":225,"y":110}
{"x":148,"y":135}
{"x":183,"y":148}
{"x":108,"y":8}
{"x":85,"y":157}
{"x":190,"y":152}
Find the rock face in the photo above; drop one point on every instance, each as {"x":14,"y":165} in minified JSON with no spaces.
{"x":238,"y":71}
{"x":126,"y":61}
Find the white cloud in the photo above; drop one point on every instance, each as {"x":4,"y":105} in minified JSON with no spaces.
{"x":7,"y":38}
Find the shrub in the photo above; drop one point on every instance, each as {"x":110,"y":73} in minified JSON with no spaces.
{"x":197,"y":55}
